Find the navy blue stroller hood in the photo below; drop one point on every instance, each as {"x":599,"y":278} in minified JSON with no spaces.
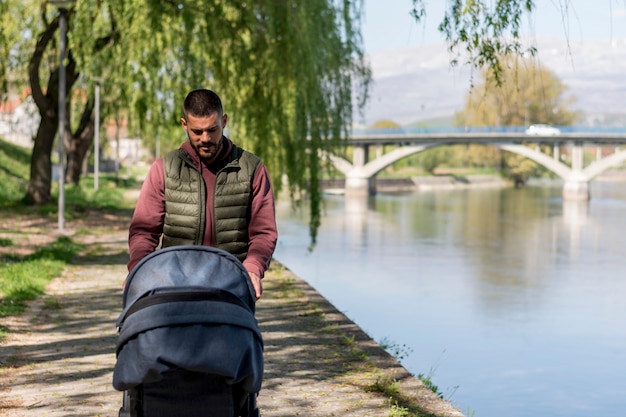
{"x":189,"y":308}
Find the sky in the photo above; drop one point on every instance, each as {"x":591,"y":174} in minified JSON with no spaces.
{"x":582,"y":41}
{"x":387,"y":24}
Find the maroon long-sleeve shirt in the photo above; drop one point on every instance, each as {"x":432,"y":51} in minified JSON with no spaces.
{"x":147,"y":223}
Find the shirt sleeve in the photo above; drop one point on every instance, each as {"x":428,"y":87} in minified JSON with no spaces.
{"x":146,"y":225}
{"x":262,"y":229}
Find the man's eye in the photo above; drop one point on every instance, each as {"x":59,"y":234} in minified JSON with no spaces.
{"x":201,"y":131}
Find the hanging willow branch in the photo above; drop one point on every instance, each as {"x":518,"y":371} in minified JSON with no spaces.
{"x":289,"y":72}
{"x":484,"y":32}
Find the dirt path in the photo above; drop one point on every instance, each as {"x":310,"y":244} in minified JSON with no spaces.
{"x":58,"y":358}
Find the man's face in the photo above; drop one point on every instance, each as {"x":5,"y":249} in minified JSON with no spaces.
{"x":205,"y":134}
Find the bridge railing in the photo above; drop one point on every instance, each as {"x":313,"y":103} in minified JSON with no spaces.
{"x":485,"y":129}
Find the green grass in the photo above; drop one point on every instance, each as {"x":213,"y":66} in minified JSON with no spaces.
{"x":107,"y":197}
{"x":428,"y":382}
{"x":400,"y":352}
{"x":22,"y":280}
{"x":14,"y":172}
{"x":400,"y":405}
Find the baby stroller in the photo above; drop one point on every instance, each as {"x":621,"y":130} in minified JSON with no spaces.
{"x":188,"y":342}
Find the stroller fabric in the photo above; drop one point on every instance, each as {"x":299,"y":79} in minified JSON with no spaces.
{"x":190,"y":309}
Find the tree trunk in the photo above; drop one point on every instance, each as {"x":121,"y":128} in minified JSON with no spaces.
{"x":77,"y":153}
{"x":48,"y":105}
{"x":38,"y":191}
{"x":40,"y":183}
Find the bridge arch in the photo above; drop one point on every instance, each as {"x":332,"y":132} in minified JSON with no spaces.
{"x":359,"y":176}
{"x":597,"y":167}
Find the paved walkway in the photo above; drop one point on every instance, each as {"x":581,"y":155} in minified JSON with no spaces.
{"x":58,"y":358}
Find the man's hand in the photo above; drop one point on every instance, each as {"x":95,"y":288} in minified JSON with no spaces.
{"x":257,"y":284}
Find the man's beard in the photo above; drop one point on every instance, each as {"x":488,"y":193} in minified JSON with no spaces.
{"x":208,"y":153}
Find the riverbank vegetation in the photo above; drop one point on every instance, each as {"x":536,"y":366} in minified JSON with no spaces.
{"x":25,"y":271}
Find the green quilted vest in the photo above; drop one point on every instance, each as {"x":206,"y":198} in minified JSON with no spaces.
{"x":185,"y":200}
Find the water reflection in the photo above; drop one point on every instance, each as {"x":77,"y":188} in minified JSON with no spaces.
{"x":501,"y":233}
{"x":575,"y":218}
{"x":514,"y":296}
{"x":358,"y":212}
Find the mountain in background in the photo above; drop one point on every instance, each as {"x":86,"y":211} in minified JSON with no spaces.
{"x":416,"y":84}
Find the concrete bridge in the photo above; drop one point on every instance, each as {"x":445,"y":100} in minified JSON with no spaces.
{"x":361,"y":171}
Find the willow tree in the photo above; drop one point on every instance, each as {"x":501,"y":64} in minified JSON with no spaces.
{"x":479,"y":33}
{"x":289,"y":72}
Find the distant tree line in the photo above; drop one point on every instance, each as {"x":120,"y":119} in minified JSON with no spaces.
{"x":525,"y":93}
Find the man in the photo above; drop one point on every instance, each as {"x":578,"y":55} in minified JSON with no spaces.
{"x":208,"y":192}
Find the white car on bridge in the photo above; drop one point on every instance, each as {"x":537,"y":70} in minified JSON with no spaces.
{"x":542,"y":130}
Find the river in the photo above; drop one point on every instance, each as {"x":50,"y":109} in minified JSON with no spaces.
{"x":512,"y":301}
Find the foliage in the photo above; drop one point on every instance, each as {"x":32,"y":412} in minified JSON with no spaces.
{"x":400,"y":405}
{"x":385,"y":124}
{"x":483,"y":156}
{"x":520,"y":169}
{"x":387,"y":386}
{"x":13,"y":172}
{"x":396,"y":410}
{"x":107,"y":197}
{"x":14,"y":162}
{"x":289,"y":74}
{"x":433,"y":158}
{"x":482,"y":33}
{"x":25,"y":279}
{"x":428,"y":382}
{"x":527,"y":94}
{"x":399,"y":352}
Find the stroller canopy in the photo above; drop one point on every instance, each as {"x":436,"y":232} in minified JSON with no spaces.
{"x":189,"y":308}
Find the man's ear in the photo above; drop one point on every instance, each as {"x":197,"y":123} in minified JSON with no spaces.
{"x":183,"y":122}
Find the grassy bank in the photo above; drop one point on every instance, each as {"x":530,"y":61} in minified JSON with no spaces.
{"x":341,"y":351}
{"x":24,"y":278}
{"x":26,"y":264}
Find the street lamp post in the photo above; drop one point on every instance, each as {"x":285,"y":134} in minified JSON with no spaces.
{"x":62,"y":5}
{"x":96,"y":157}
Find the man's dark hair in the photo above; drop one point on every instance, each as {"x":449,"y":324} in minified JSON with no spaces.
{"x":202,"y":103}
